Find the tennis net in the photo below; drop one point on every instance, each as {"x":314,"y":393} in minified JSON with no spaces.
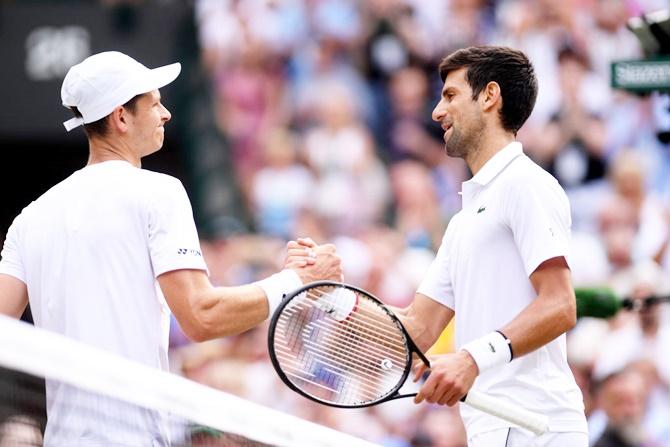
{"x":108,"y":400}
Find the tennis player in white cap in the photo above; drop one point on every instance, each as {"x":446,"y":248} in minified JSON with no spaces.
{"x":106,"y":254}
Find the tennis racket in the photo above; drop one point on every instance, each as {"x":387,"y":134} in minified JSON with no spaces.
{"x":340,"y":346}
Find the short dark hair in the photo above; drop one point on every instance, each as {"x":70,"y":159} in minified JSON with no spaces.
{"x":101,"y":127}
{"x":510,"y":68}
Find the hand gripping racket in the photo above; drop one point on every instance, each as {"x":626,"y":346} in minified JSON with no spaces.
{"x":340,"y":346}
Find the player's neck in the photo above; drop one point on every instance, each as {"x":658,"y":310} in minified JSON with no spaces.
{"x":490,"y":144}
{"x":102,"y":149}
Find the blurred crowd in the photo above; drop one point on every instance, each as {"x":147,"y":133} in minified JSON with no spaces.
{"x":325,"y":107}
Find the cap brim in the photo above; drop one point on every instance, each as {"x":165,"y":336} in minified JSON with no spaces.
{"x":164,"y":75}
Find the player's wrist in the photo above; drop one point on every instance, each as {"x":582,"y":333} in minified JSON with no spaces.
{"x":339,"y":304}
{"x":470,"y":360}
{"x":277,"y":286}
{"x":489,"y":351}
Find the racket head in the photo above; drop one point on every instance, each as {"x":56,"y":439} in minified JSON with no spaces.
{"x":356,"y":362}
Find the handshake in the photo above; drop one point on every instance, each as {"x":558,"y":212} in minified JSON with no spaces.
{"x":312,"y":262}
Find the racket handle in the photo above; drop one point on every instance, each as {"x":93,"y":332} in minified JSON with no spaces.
{"x":537,"y":423}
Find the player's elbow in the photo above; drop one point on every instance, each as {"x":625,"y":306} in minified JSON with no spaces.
{"x":200,"y":323}
{"x":568,"y":312}
{"x":195,"y":330}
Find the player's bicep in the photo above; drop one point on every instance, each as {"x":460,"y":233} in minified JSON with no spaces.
{"x":552,"y":282}
{"x":13,"y":296}
{"x":183,"y":289}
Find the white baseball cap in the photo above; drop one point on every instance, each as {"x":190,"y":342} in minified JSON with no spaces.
{"x":104,"y":81}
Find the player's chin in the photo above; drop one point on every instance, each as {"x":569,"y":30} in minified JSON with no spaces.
{"x":158,"y":140}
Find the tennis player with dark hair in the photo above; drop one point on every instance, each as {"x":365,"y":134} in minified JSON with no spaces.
{"x":502,"y":268}
{"x":106,"y":254}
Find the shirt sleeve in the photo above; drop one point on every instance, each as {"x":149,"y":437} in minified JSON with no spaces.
{"x":539,"y":217}
{"x":173,"y":237}
{"x":11,"y":263}
{"x":437,"y":285}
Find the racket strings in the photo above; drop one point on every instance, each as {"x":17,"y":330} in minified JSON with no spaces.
{"x":371,"y":327}
{"x":357,"y":360}
{"x":362,"y":329}
{"x":341,"y":353}
{"x":377,"y":319}
{"x":345,"y":349}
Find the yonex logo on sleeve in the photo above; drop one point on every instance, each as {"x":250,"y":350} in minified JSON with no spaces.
{"x":189,"y":251}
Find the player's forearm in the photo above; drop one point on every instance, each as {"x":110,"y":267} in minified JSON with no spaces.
{"x":546,"y":318}
{"x":224,"y":311}
{"x":205,"y":312}
{"x":424,"y":319}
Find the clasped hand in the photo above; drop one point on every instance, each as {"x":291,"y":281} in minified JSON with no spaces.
{"x":313,"y":262}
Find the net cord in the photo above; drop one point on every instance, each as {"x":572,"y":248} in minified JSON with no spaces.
{"x":47,"y":354}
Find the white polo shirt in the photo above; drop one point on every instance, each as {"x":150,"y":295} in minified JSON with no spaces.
{"x":89,"y":251}
{"x":515,"y":216}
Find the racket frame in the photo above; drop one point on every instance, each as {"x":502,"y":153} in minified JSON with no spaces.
{"x":392,"y":394}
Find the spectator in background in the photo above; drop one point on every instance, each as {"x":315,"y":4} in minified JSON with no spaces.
{"x":352,"y":184}
{"x":408,"y":130}
{"x":629,"y":177}
{"x":638,"y":336}
{"x":622,"y":398}
{"x":417,"y":212}
{"x":578,"y":155}
{"x":282,"y":187}
{"x":440,"y":427}
{"x":608,"y":38}
{"x":249,"y":96}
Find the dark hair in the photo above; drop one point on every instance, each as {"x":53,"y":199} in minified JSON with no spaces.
{"x":510,"y":68}
{"x":100,"y":127}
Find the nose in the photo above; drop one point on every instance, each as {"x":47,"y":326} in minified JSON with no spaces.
{"x":165,"y":114}
{"x":439,"y":111}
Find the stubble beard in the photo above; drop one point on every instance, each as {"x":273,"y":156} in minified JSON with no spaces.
{"x":461,"y":144}
{"x":457,"y":145}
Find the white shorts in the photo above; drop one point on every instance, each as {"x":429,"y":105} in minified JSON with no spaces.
{"x":515,"y":437}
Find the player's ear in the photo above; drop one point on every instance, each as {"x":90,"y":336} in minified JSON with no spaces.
{"x":118,"y":119}
{"x":491,"y":95}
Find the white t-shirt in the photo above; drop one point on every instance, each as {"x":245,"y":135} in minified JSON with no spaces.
{"x":514,"y":217}
{"x":89,"y":251}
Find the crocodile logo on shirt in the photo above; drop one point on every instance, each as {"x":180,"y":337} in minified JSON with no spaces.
{"x":493,"y":349}
{"x":481,"y":209}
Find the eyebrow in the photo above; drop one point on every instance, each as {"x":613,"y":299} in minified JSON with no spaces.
{"x":449,"y":89}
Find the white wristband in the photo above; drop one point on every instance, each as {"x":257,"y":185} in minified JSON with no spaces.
{"x":277,"y":286}
{"x":489,"y":351}
{"x":339,"y":304}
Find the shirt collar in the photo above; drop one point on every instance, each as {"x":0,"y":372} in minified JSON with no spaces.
{"x":497,"y":163}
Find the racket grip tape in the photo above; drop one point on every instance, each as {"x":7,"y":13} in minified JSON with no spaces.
{"x":537,"y":423}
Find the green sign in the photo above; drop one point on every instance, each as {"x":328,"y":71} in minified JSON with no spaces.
{"x":642,"y":76}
